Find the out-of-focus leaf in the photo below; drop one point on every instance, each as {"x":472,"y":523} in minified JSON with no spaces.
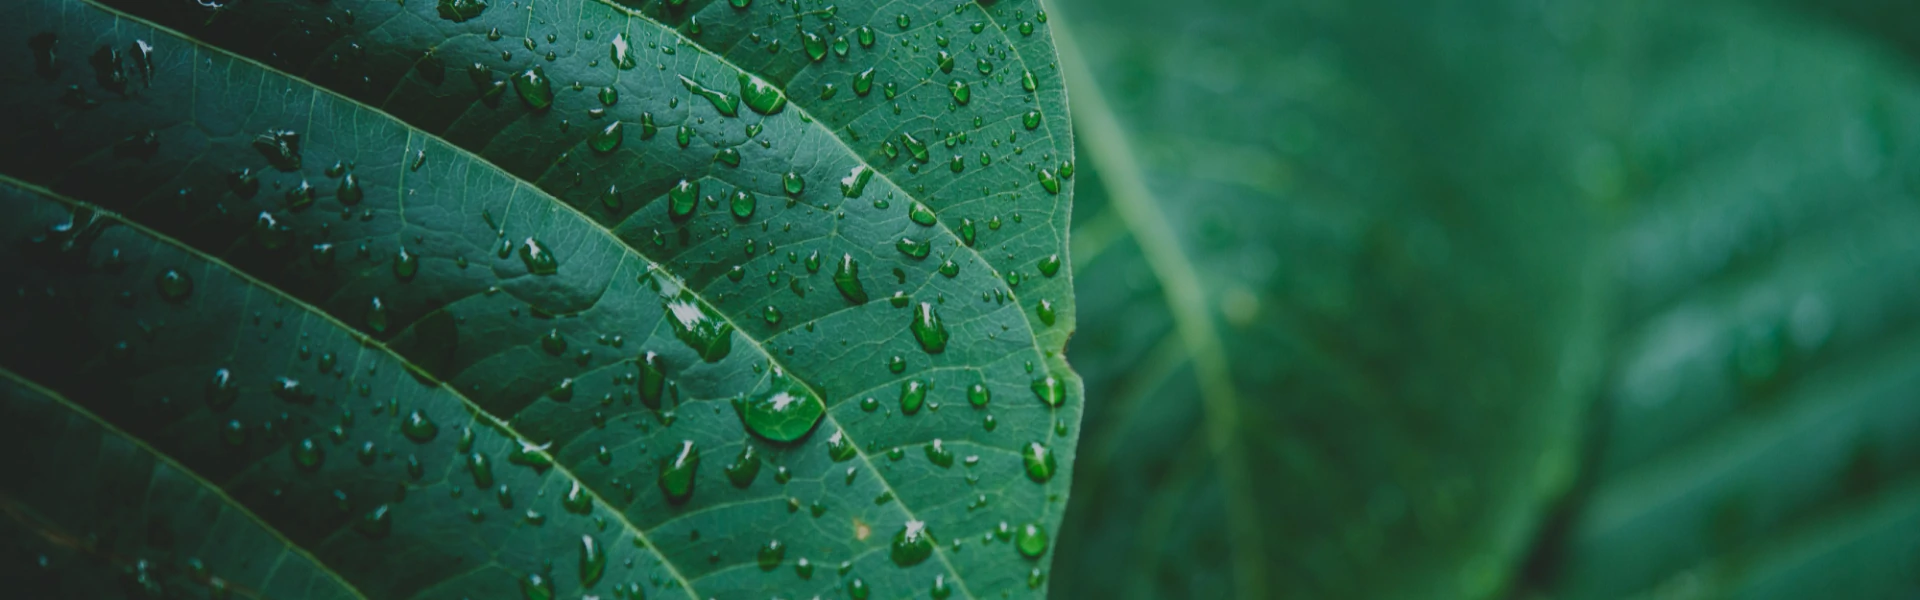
{"x":1758,"y":408}
{"x":1431,"y":232}
{"x":1374,"y":202}
{"x":611,"y":243}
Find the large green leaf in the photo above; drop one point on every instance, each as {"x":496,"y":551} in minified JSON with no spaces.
{"x":509,"y":270}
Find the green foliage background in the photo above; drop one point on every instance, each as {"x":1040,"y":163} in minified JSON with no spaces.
{"x":1495,"y":299}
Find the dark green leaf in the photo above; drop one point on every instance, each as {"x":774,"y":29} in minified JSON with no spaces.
{"x":417,"y":235}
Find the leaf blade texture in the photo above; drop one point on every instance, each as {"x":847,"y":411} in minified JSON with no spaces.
{"x":484,"y":245}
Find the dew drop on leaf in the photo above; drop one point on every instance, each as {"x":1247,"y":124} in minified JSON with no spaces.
{"x":912,"y":544}
{"x":677,"y":472}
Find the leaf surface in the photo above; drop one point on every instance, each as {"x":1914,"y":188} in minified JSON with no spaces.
{"x":400,"y":241}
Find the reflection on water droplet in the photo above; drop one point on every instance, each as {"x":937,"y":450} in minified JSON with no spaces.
{"x":537,"y":258}
{"x":677,"y":472}
{"x":745,"y":467}
{"x":913,"y":395}
{"x":846,"y":277}
{"x":787,"y":412}
{"x":912,"y":544}
{"x":928,"y":329}
{"x":174,"y":285}
{"x":461,"y":10}
{"x":1039,"y":461}
{"x":534,"y":88}
{"x":593,"y":561}
{"x":700,"y":329}
{"x":761,"y":96}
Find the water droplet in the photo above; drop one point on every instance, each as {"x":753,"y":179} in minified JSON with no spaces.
{"x":771,"y":555}
{"x":405,"y":264}
{"x":350,"y":192}
{"x":677,"y":473}
{"x":1044,"y":309}
{"x":855,"y":183}
{"x":863,"y":82}
{"x":944,"y":61}
{"x":621,"y":54}
{"x":682,"y":199}
{"x":816,"y":47}
{"x":1050,"y":265}
{"x":1039,"y":462}
{"x":376,"y":524}
{"x":727,"y":104}
{"x":912,"y":544}
{"x":553,"y":343}
{"x":744,"y":468}
{"x":535,"y":586}
{"x":941,"y":589}
{"x":1050,"y":390}
{"x":846,"y":277}
{"x":803,"y":568}
{"x":938,"y":453}
{"x":593,"y":561}
{"x":222,"y":390}
{"x":538,"y":259}
{"x":308,"y":455}
{"x":461,"y":10}
{"x":978,"y":395}
{"x":839,"y":448}
{"x":699,"y":329}
{"x":919,"y":213}
{"x":792,"y":183}
{"x":1049,"y":181}
{"x":419,"y":428}
{"x":913,"y":395}
{"x":1031,"y":539}
{"x":377,"y":315}
{"x":914,"y":249}
{"x":961,"y":91}
{"x":786,"y":413}
{"x":915,"y":147}
{"x":771,"y":314}
{"x":174,"y":285}
{"x":534,"y":88}
{"x":531,"y":455}
{"x":1031,"y":120}
{"x":761,"y":96}
{"x":743,"y":203}
{"x":728,"y":156}
{"x":653,"y":380}
{"x":482,"y":470}
{"x":577,"y":500}
{"x":280,"y":147}
{"x":607,"y":139}
{"x":928,"y":329}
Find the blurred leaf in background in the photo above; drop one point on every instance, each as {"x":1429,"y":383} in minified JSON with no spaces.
{"x":1499,"y":298}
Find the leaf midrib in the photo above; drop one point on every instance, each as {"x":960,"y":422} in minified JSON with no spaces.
{"x":366,"y":342}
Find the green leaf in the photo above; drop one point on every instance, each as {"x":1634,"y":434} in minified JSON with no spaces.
{"x":215,"y":242}
{"x":1758,"y":408}
{"x":1341,"y":304}
{"x":1494,"y":299}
